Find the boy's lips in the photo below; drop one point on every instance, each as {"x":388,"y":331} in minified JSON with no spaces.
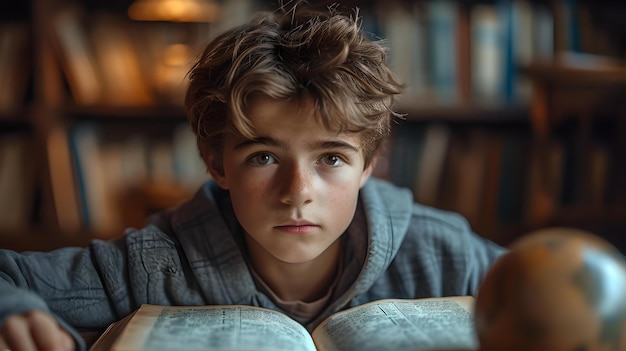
{"x":297,"y":227}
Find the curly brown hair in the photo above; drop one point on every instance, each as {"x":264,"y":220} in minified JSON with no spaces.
{"x":291,"y":54}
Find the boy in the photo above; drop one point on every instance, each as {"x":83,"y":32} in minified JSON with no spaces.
{"x":289,"y":111}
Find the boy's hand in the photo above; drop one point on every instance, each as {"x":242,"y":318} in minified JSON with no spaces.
{"x":35,"y":330}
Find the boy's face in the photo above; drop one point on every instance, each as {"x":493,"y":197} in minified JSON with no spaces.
{"x":294,"y":188}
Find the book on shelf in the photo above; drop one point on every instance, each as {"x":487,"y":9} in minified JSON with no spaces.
{"x":470,"y":173}
{"x":391,"y":324}
{"x":404,"y":29}
{"x":448,"y":186}
{"x":596,"y":174}
{"x":491,"y":179}
{"x":17,"y":183}
{"x":62,"y":180}
{"x":573,"y":165}
{"x":513,"y":178}
{"x":486,"y":54}
{"x":544,"y":182}
{"x":189,"y":168}
{"x":97,"y":173}
{"x":76,"y":56}
{"x":406,"y":148}
{"x":464,"y":62}
{"x":432,"y":163}
{"x":441,"y":27}
{"x":117,"y":57}
{"x":542,"y":32}
{"x":15,"y":65}
{"x":567,"y":34}
{"x":516,"y":47}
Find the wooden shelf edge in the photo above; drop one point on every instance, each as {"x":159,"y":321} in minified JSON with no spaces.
{"x":40,"y":240}
{"x":514,"y":113}
{"x":170,"y":112}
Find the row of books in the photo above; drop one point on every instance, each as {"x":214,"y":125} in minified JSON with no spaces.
{"x":497,"y":178}
{"x":107,"y":59}
{"x":446,"y":51}
{"x":106,"y":169}
{"x":102,"y":63}
{"x":451,"y":52}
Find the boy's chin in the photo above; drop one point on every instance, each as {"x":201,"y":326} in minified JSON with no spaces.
{"x":298,"y":258}
{"x":307,"y":255}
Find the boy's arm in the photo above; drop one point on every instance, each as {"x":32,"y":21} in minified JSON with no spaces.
{"x":64,"y":283}
{"x":484,"y":253}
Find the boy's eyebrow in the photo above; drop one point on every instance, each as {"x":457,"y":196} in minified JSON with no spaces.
{"x":327,"y":144}
{"x":337,"y":144}
{"x":259,"y":140}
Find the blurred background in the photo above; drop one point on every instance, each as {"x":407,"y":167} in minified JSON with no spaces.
{"x":515,"y":111}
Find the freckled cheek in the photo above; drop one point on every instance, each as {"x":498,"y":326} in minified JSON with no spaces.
{"x":343,"y":198}
{"x":252,"y":188}
{"x":249,"y":200}
{"x":249,"y":187}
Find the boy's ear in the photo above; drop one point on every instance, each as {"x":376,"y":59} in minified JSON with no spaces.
{"x":367,"y":172}
{"x":216,"y":169}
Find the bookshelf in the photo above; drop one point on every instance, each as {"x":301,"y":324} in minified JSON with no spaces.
{"x":500,"y":108}
{"x":550,"y":143}
{"x":95,"y":99}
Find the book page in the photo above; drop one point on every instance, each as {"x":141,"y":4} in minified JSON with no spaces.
{"x":177,"y":328}
{"x":422,"y":324}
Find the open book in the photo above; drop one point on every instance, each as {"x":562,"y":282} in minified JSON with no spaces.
{"x":391,"y":324}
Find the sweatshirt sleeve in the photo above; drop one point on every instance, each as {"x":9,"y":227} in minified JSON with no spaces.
{"x":440,"y":256}
{"x":65,"y":283}
{"x":462,"y":256}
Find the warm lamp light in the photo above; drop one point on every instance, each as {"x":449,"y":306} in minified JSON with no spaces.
{"x":174,"y":10}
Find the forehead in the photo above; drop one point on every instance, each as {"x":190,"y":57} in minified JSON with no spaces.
{"x":290,"y":122}
{"x":292,"y":115}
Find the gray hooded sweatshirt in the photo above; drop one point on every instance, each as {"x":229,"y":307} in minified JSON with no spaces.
{"x":195,"y":255}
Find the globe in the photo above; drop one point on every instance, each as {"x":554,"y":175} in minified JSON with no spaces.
{"x":556,"y":289}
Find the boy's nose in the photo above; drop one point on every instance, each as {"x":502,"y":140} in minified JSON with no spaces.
{"x":296,"y":185}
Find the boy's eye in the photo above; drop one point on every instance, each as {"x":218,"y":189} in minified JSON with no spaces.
{"x":262,"y":159}
{"x":332,"y":160}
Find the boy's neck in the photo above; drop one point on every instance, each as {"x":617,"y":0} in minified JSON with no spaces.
{"x":304,"y":282}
